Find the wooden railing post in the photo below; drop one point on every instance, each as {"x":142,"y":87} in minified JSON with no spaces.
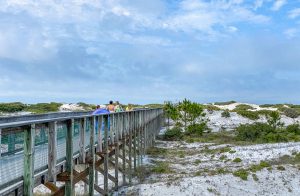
{"x":92,"y":156}
{"x":52,"y":152}
{"x":106,"y":128}
{"x":99,"y":138}
{"x":29,"y":136}
{"x":117,"y":127}
{"x":134,"y":139}
{"x":130,"y":148}
{"x":123,"y":127}
{"x":82,"y":131}
{"x":69,"y":186}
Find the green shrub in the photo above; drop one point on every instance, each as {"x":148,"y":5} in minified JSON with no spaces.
{"x":291,"y":112}
{"x":225,"y":103}
{"x":274,"y":119}
{"x":211,"y":108}
{"x":255,"y":178}
{"x":225,"y":114}
{"x":252,"y":132}
{"x":243,"y":107}
{"x":260,"y":166}
{"x":248,"y":114}
{"x":12,"y":107}
{"x":294,"y":128}
{"x":161,"y":167}
{"x":86,"y":106}
{"x":237,"y":160}
{"x":43,"y":107}
{"x":173,"y":134}
{"x":264,"y":112}
{"x":196,"y":129}
{"x":223,"y":157}
{"x":267,"y":105}
{"x":281,"y":168}
{"x":242,"y":173}
{"x":154,"y":151}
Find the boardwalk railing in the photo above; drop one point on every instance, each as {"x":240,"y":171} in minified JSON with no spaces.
{"x":46,"y":149}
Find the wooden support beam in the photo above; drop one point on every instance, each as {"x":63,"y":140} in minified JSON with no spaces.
{"x":134,"y":140}
{"x":123,"y":149}
{"x":92,"y":157}
{"x":130,"y":149}
{"x":106,"y":129}
{"x":84,"y":174}
{"x":63,"y":176}
{"x":99,"y":138}
{"x":52,"y":152}
{"x":126,"y":160}
{"x":110,"y":177}
{"x":51,"y":187}
{"x":29,"y":135}
{"x":69,"y":186}
{"x":116,"y":151}
{"x":82,"y":131}
{"x":96,"y":187}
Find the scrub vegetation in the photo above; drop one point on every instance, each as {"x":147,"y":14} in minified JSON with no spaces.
{"x":34,"y":108}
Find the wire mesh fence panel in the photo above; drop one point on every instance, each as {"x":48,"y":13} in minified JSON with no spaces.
{"x":87,"y":134}
{"x":76,"y":137}
{"x":61,"y":142}
{"x":41,"y":148}
{"x":12,"y":160}
{"x":12,"y":143}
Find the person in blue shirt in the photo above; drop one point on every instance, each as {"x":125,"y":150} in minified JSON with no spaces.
{"x":101,"y":109}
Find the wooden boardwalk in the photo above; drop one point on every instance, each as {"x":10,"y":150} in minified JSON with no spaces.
{"x":118,"y":140}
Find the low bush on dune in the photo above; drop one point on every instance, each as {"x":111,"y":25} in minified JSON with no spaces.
{"x":266,"y":133}
{"x":12,"y":107}
{"x":225,"y":114}
{"x":43,"y":107}
{"x":248,"y":114}
{"x":211,"y":108}
{"x":291,"y":112}
{"x":225,"y":103}
{"x":196,"y":129}
{"x":173,"y":134}
{"x":34,"y":108}
{"x":243,"y":107}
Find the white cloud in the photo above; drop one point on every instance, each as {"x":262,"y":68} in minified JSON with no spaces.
{"x":294,"y":13}
{"x":258,"y":4}
{"x":291,"y":33}
{"x":278,"y":4}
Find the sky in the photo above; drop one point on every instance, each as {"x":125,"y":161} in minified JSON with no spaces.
{"x":138,"y":51}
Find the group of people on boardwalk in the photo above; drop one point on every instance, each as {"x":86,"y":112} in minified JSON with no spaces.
{"x":111,"y":107}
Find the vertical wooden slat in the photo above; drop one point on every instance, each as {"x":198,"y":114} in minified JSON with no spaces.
{"x":134,"y":139}
{"x":130,"y":149}
{"x":29,"y":135}
{"x":82,"y":131}
{"x":69,"y":187}
{"x":106,"y":127}
{"x":117,"y":123}
{"x":52,"y":152}
{"x":123,"y":148}
{"x":99,"y":138}
{"x":139,"y":139}
{"x":92,"y":156}
{"x":11,"y":142}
